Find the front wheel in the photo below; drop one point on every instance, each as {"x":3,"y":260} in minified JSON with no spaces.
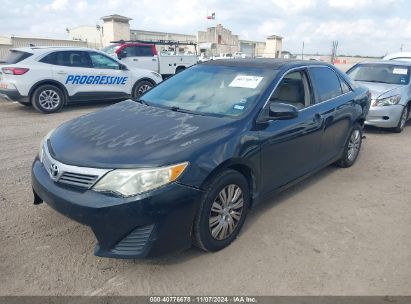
{"x":141,"y":87}
{"x":352,"y":147}
{"x":222,"y":212}
{"x":402,"y":121}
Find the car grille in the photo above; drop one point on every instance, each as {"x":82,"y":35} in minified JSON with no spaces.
{"x":78,"y":180}
{"x":81,"y":177}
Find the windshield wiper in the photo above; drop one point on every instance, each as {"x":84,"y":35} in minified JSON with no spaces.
{"x":377,"y":81}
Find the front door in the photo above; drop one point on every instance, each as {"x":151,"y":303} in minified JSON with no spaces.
{"x":290,"y":148}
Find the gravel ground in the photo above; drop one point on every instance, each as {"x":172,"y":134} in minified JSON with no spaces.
{"x":341,"y":232}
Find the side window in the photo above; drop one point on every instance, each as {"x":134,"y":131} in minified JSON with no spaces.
{"x":50,"y":58}
{"x":327,"y":83}
{"x":344,"y":86}
{"x":294,"y":89}
{"x":139,"y":51}
{"x":100,"y":61}
{"x":68,"y":58}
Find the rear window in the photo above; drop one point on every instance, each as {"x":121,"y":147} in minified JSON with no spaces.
{"x":16,"y":56}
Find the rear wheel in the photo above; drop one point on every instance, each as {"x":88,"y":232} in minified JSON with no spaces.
{"x":48,"y":99}
{"x":141,"y":87}
{"x":222,"y":212}
{"x":352,"y":147}
{"x":402,"y":121}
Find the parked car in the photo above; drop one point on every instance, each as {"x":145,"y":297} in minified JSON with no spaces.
{"x":389,"y":83}
{"x":401,"y":56}
{"x":48,"y":78}
{"x":238,"y":55}
{"x":224,"y":56}
{"x":185,"y":162}
{"x":145,"y":56}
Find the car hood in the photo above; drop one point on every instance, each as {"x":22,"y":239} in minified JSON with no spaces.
{"x":129,"y":134}
{"x":378,"y":89}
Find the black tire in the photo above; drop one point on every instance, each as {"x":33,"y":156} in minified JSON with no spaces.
{"x":354,"y":141}
{"x":141,"y":87}
{"x":202,"y":229}
{"x":55,"y":103}
{"x":403,"y":120}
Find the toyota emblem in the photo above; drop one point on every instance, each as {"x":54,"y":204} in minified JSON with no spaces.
{"x":54,"y":170}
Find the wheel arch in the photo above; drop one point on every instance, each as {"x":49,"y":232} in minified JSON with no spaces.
{"x":140,"y":80}
{"x":241,"y":167}
{"x":49,"y":82}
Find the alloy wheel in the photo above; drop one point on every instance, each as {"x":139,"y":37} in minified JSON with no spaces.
{"x":354,"y":145}
{"x":226,"y":212}
{"x":142,"y":89}
{"x":49,"y":99}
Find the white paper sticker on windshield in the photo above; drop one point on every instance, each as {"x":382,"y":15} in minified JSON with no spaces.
{"x":400,"y":71}
{"x":244,"y":81}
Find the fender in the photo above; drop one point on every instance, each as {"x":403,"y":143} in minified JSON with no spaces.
{"x":49,"y":81}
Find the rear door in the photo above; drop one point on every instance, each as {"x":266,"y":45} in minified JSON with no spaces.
{"x":334,"y":99}
{"x":73,"y":69}
{"x":140,"y":56}
{"x":290,"y":148}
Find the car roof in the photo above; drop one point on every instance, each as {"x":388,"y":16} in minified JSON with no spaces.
{"x":270,"y":63}
{"x":42,"y":49}
{"x":399,"y":54}
{"x":389,"y":62}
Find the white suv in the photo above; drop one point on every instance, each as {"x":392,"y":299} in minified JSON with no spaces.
{"x":48,"y":78}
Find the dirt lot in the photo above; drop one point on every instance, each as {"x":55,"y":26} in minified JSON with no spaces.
{"x":341,"y":232}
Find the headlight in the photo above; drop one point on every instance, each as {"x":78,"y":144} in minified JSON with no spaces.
{"x":128,"y":182}
{"x":43,"y":141}
{"x":389,"y":101}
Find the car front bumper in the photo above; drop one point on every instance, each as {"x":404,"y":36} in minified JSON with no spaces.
{"x":384,"y":117}
{"x":150,"y":224}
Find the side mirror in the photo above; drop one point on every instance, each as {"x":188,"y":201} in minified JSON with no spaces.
{"x":282,"y":111}
{"x":121,"y":55}
{"x":123,"y":67}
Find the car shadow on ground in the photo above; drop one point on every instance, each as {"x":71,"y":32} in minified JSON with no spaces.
{"x":86,"y":106}
{"x":252,"y":217}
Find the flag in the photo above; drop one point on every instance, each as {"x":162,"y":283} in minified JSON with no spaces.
{"x":212,"y":17}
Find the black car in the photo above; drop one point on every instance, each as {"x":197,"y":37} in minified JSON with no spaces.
{"x":183,"y":164}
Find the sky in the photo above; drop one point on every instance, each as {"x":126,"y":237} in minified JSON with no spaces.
{"x":362,"y":27}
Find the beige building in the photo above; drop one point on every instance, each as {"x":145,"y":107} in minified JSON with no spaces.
{"x":7,"y":43}
{"x":212,"y":42}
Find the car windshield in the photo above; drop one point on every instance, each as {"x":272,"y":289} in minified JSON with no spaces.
{"x":383,"y":73}
{"x":110,"y":49}
{"x":212,"y":90}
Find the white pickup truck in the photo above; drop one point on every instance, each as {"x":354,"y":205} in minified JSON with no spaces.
{"x":145,"y":56}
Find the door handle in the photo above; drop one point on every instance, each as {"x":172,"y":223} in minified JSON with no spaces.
{"x":61,"y":73}
{"x":135,"y":59}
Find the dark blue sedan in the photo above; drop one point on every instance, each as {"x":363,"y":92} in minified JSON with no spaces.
{"x":184,"y":163}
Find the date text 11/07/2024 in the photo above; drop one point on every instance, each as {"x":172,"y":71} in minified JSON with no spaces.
{"x":203,"y":299}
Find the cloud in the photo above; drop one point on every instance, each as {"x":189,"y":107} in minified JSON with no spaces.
{"x":57,"y":5}
{"x":368,"y":27}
